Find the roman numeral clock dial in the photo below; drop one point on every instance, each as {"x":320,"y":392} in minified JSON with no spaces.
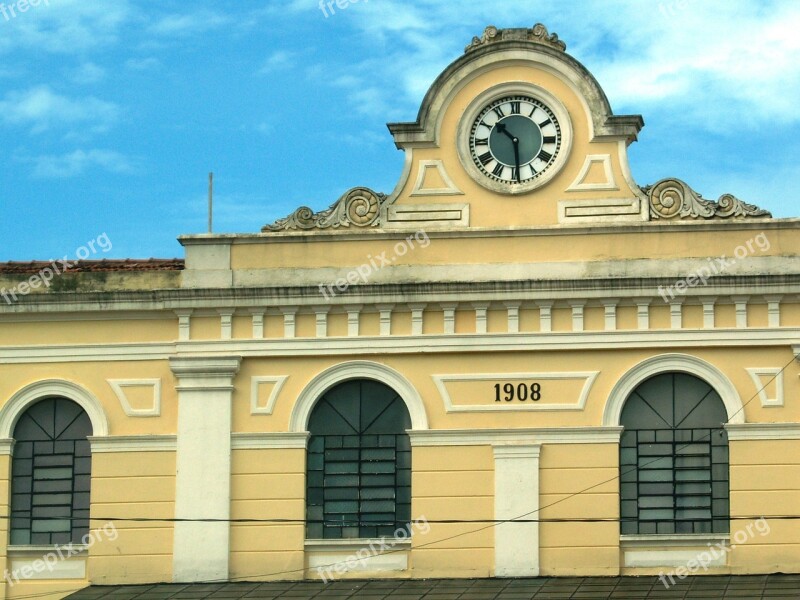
{"x":513,"y":141}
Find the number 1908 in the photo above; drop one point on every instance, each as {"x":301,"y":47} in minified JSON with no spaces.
{"x":520,"y":392}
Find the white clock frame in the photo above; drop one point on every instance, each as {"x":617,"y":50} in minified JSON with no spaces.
{"x":513,"y":88}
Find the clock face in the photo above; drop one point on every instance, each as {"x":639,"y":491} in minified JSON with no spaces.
{"x":515,"y":139}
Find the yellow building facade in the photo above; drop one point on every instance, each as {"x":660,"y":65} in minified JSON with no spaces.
{"x":517,"y":363}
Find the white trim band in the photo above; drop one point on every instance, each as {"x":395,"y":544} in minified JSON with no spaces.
{"x":485,"y":437}
{"x":134,"y":443}
{"x":762,"y":431}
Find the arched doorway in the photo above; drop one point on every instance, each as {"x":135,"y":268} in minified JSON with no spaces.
{"x":358,"y":482}
{"x":51,"y":474}
{"x":674,"y":458}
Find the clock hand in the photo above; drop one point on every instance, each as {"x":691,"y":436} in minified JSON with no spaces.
{"x":515,"y":141}
{"x":502,"y":129}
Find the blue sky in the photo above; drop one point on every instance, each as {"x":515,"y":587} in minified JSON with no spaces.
{"x":113,"y":112}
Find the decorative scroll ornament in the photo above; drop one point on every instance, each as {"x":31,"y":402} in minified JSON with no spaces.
{"x":538,"y":34}
{"x":673,"y":199}
{"x":359,"y":206}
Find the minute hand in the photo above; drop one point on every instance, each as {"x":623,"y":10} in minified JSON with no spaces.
{"x":514,"y":140}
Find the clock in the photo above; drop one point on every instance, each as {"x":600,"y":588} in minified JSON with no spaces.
{"x":515,"y":139}
{"x":512,"y":141}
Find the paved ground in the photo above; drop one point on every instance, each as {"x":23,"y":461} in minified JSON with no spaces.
{"x":584,"y":588}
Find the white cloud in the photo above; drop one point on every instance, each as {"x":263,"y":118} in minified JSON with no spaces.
{"x":717,"y":61}
{"x":179,"y":25}
{"x":278,"y":60}
{"x":77,"y":162}
{"x":721,"y":62}
{"x":65,"y":26}
{"x":88,"y":73}
{"x":142,"y":64}
{"x":41,"y":109}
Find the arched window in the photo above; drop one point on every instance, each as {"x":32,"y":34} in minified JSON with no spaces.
{"x":359,"y":463}
{"x":51,"y":474}
{"x":674,"y":458}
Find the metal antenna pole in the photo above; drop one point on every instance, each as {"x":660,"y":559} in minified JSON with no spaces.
{"x":210,"y":202}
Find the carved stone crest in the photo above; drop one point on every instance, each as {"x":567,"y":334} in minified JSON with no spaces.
{"x":359,"y":207}
{"x":674,"y":199}
{"x":537,"y":34}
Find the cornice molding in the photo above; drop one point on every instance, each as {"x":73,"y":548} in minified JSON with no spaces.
{"x":406,"y":344}
{"x":63,"y":307}
{"x":556,"y":230}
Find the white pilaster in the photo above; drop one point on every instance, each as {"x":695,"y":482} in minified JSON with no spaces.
{"x":610,"y":313}
{"x":512,"y":311}
{"x":481,"y":325}
{"x":709,"y":320}
{"x":545,"y":316}
{"x":643,"y":314}
{"x":289,"y":321}
{"x":416,"y":318}
{"x":184,"y":324}
{"x":353,"y":319}
{"x":258,"y":323}
{"x":321,"y":313}
{"x":741,"y":311}
{"x":225,"y":323}
{"x":385,"y":311}
{"x":202,"y":485}
{"x":773,"y":310}
{"x":577,"y":315}
{"x":516,"y":495}
{"x":676,"y":314}
{"x":449,"y":317}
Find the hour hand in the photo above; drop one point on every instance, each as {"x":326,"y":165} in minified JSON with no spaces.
{"x":502,"y":129}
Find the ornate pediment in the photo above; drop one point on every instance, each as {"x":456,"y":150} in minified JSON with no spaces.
{"x":537,"y":34}
{"x":674,"y":199}
{"x":358,"y":207}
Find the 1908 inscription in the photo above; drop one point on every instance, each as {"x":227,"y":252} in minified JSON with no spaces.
{"x":521,"y":392}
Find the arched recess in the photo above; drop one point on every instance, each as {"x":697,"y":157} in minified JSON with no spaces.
{"x":357,"y":369}
{"x":663,"y":363}
{"x":22,"y":399}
